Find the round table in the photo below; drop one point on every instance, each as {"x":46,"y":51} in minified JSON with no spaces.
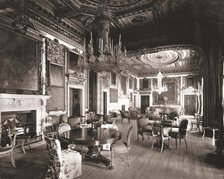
{"x":94,"y":139}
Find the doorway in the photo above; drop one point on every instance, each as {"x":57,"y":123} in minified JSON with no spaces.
{"x":144,"y":103}
{"x":75,"y":102}
{"x":92,"y":91}
{"x":189,"y":104}
{"x":104,"y":105}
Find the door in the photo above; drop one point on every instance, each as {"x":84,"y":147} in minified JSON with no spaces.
{"x":144,"y":103}
{"x":104,"y":105}
{"x":189,"y":104}
{"x":92,"y":91}
{"x":75,"y":102}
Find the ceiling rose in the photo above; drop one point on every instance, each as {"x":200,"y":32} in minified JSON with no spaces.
{"x":160,"y":58}
{"x":117,"y":3}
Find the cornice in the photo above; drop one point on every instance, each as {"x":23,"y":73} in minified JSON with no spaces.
{"x":135,"y":9}
{"x":48,"y":20}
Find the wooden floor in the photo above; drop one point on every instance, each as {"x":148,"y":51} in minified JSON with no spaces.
{"x":198,"y":162}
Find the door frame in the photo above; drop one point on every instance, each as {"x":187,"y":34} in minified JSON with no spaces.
{"x":82,"y":99}
{"x":141,"y":100}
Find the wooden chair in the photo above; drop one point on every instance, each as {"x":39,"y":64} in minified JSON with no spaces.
{"x":180,"y":133}
{"x":10,"y":148}
{"x":197,"y":122}
{"x":48,"y":128}
{"x":63,"y":127}
{"x":123,"y":147}
{"x":161,"y":133}
{"x":62,"y":163}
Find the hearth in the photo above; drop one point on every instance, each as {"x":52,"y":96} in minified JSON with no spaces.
{"x":30,"y":109}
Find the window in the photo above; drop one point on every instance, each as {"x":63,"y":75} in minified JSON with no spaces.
{"x":113,"y":79}
{"x":135,"y":83}
{"x":145,"y":83}
{"x":130,"y":83}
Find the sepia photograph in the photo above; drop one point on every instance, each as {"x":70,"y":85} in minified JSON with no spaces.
{"x":111,"y":89}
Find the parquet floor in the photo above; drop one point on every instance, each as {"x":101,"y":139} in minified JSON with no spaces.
{"x":198,"y":162}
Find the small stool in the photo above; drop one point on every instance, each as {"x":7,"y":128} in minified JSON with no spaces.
{"x":214,"y":129}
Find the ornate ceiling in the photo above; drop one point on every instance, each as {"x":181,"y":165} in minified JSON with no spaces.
{"x":171,"y":59}
{"x":156,"y":29}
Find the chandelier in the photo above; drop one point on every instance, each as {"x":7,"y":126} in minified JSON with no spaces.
{"x":161,"y":87}
{"x":102,"y":53}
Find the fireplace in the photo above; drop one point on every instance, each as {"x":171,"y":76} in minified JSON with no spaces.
{"x":27,"y":120}
{"x":29,"y":109}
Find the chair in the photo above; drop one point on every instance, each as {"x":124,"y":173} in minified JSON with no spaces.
{"x":63,"y":127}
{"x":48,"y":128}
{"x":125,"y":115}
{"x":123,"y":147}
{"x":144,"y":127}
{"x":108,"y":126}
{"x":161,"y":132}
{"x":134,"y":112}
{"x":74,"y":122}
{"x":180,"y":132}
{"x":197,"y":122}
{"x":62,"y":163}
{"x":10,"y":148}
{"x":14,"y":124}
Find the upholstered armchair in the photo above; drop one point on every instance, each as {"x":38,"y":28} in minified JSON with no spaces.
{"x":180,"y":132}
{"x":144,"y":127}
{"x":62,"y":163}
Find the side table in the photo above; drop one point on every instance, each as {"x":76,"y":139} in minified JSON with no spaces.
{"x":214,"y":129}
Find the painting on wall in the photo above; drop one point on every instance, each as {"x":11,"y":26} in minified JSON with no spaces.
{"x":113,"y":95}
{"x":19,"y":62}
{"x":167,"y":97}
{"x":57,"y":75}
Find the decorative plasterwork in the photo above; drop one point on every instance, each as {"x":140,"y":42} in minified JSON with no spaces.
{"x":163,"y":57}
{"x":139,"y":19}
{"x":168,"y":59}
{"x":118,"y":3}
{"x":47,"y":19}
{"x":55,"y":52}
